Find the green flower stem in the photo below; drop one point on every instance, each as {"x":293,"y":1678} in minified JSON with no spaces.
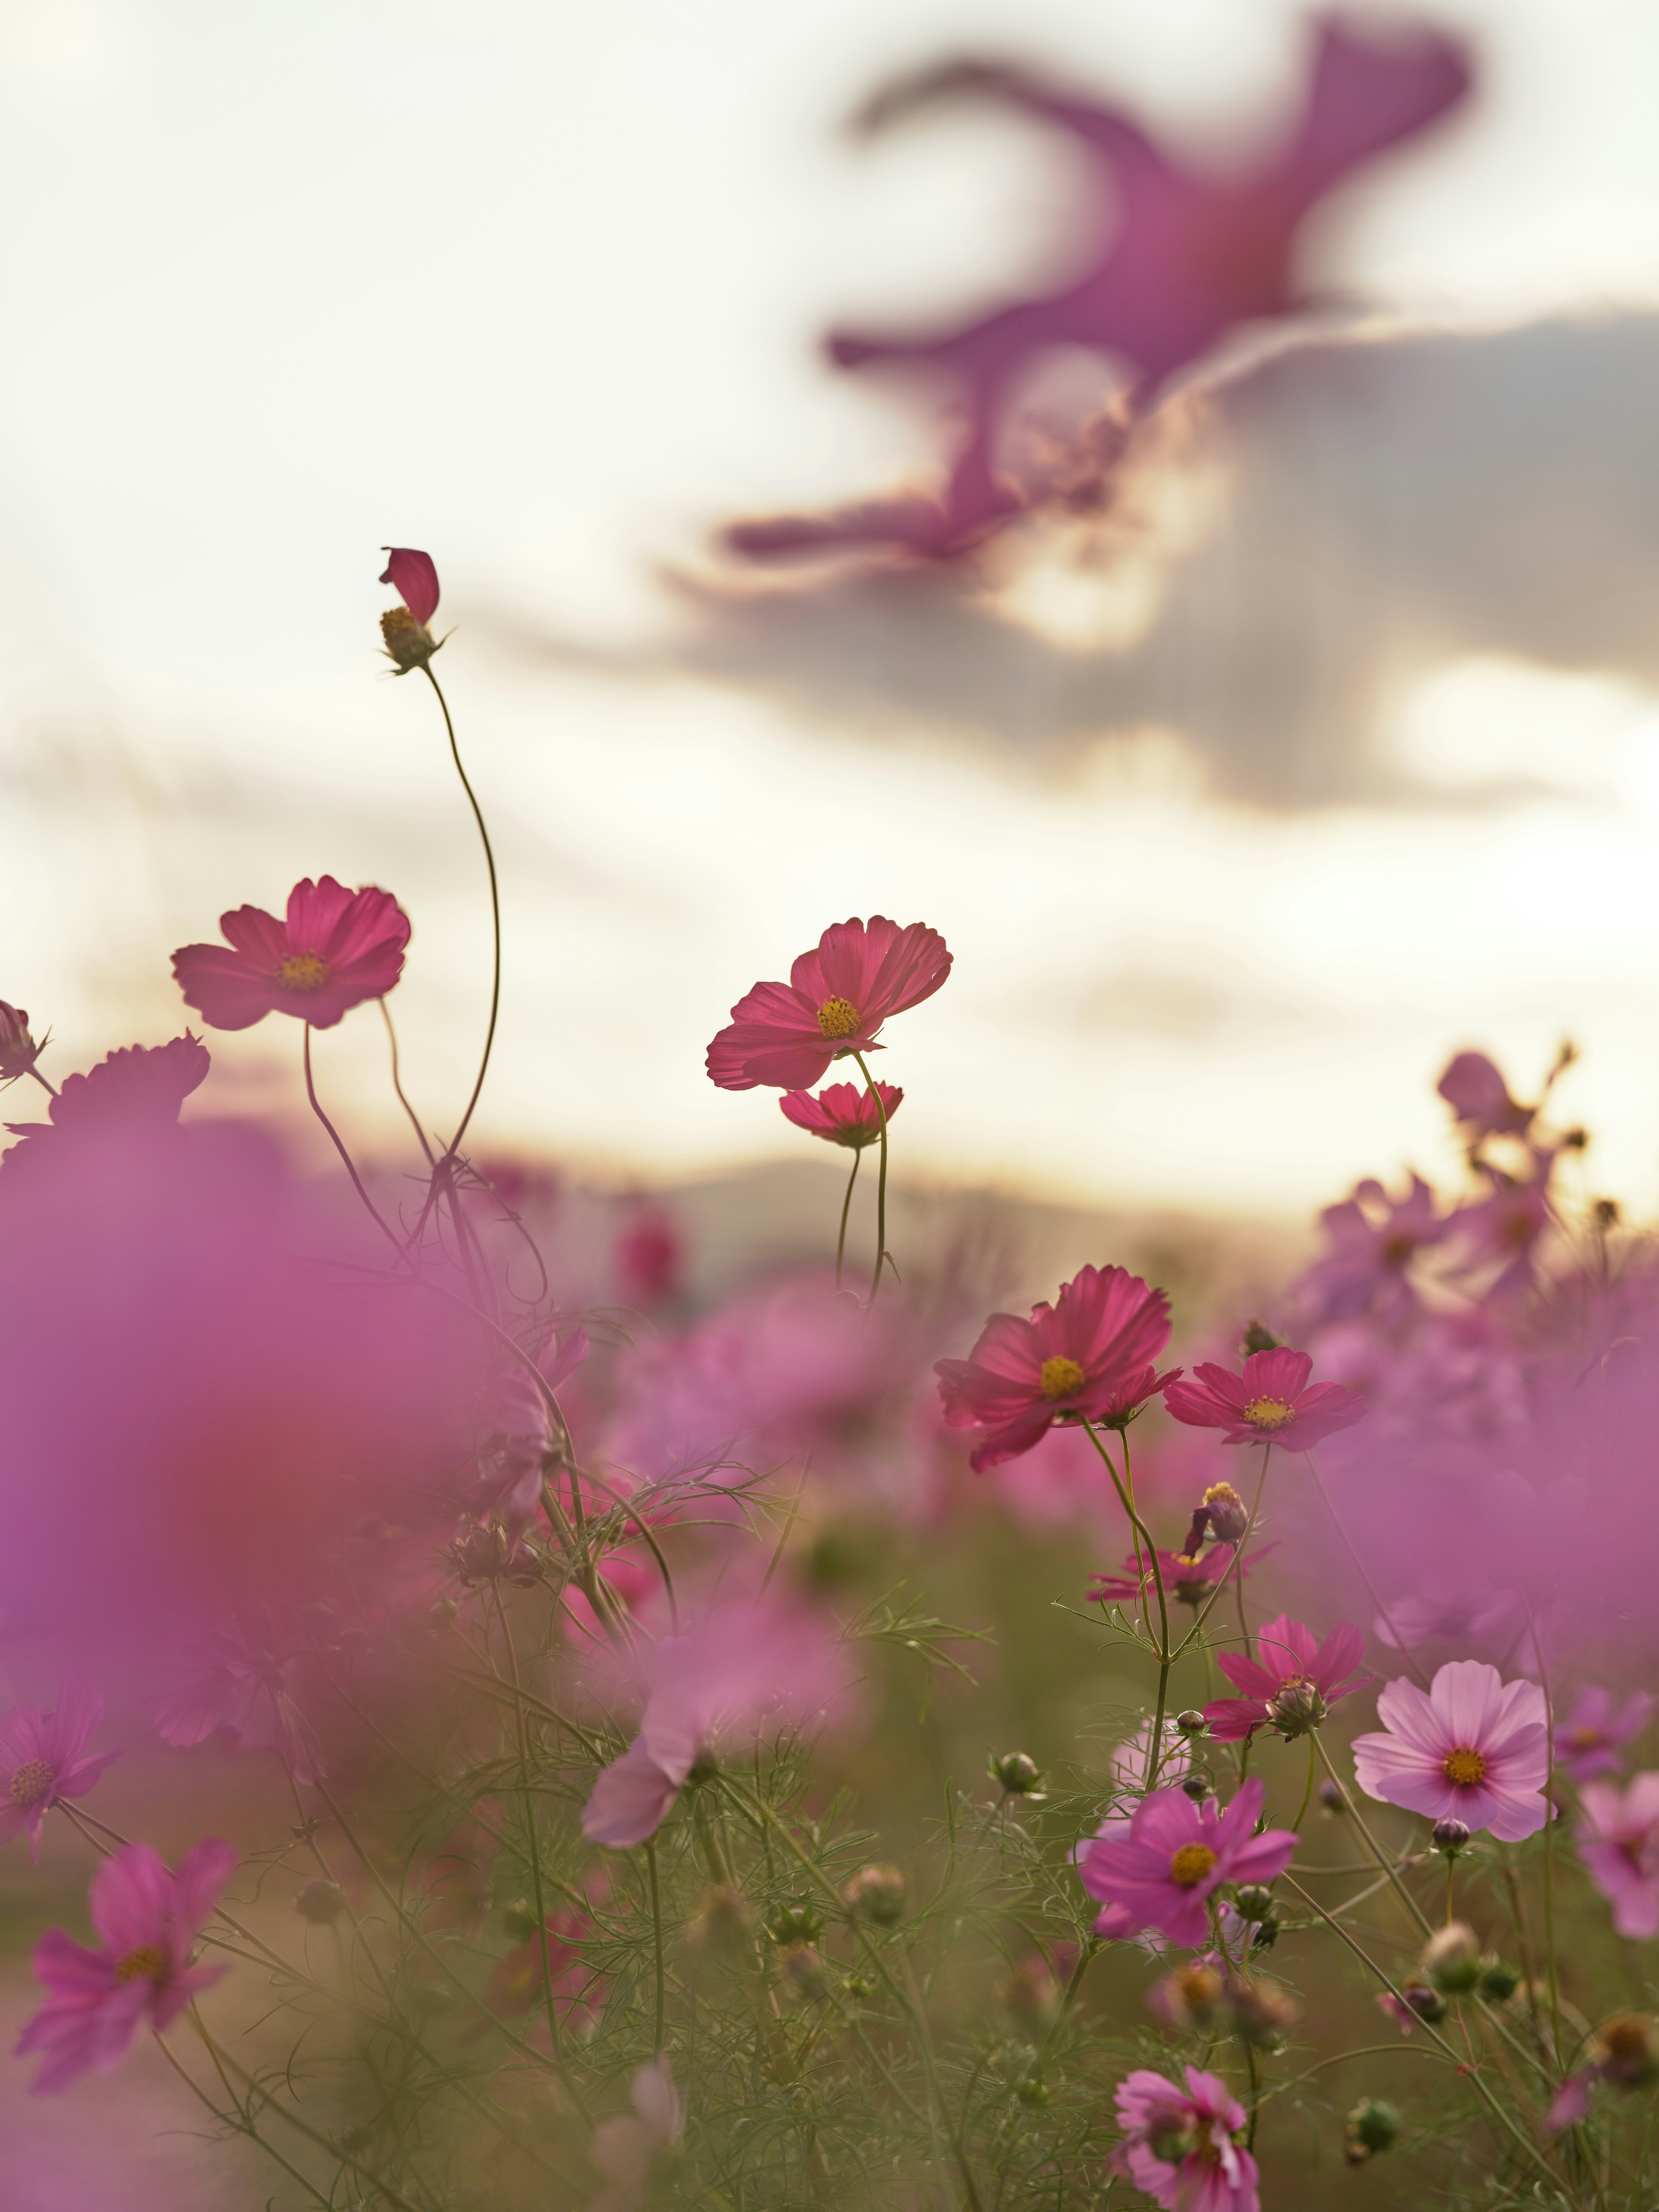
{"x":656,"y":1945}
{"x":335,"y":1138}
{"x":1313,"y":1768}
{"x":1401,"y":1645}
{"x":397,"y":1084}
{"x":840,"y":1241}
{"x":1155,"y":1747}
{"x":522,"y":1735}
{"x":454,"y":1144}
{"x":881,"y":1180}
{"x":1210,"y":1603}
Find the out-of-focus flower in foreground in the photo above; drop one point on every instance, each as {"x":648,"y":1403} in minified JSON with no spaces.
{"x":333,"y":948}
{"x":1478,"y":1094}
{"x":842,"y":1113}
{"x":1373,"y":1240}
{"x":626,"y":2150}
{"x":1623,"y":2053}
{"x":838,"y":995}
{"x":241,"y":1687}
{"x":1183,"y":2147}
{"x":141,"y":1973}
{"x":123,"y":1109}
{"x":1588,"y":1741}
{"x":1090,"y":1355}
{"x":1618,"y":1838}
{"x":1271,"y":1402}
{"x":521,"y":1976}
{"x":1291,"y":1684}
{"x":42,"y":1758}
{"x":1473,"y":1748}
{"x":414,"y":576}
{"x":1161,"y":1872}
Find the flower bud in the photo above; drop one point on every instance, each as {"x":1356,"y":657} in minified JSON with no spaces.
{"x":1030,"y":1993}
{"x":321,"y":1902}
{"x":1296,"y":1709}
{"x":18,"y":1050}
{"x":1019,"y":1775}
{"x":1228,"y":1514}
{"x":1451,"y":1958}
{"x":1330,"y":1797}
{"x":1625,"y":2052}
{"x":1034,"y":2092}
{"x":795,"y":1924}
{"x":1428,"y":2004}
{"x":1499,"y":1982}
{"x":1187,"y":1997}
{"x":859,"y":1985}
{"x":409,"y":643}
{"x":1370,"y":2127}
{"x":1263,"y":2013}
{"x":802,"y":1971}
{"x":1198,"y":1785}
{"x":723,"y":1920}
{"x":1450,"y":1837}
{"x":519,"y":1920}
{"x":876,"y":1893}
{"x":1257,"y":1339}
{"x":1191,"y":1723}
{"x":1253,"y":1901}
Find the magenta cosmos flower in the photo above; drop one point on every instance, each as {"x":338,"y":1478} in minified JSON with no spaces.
{"x":1476,"y":1092}
{"x":842,"y":1113}
{"x":1292,"y":1682}
{"x":1618,"y":1838}
{"x":333,"y":948}
{"x":1271,"y":1402}
{"x":1161,"y":1872}
{"x":140,"y":1974}
{"x":1090,"y":1354}
{"x":1588,"y":1741}
{"x":1183,"y":2147}
{"x":1472,"y":1748}
{"x":43,"y":1758}
{"x":834,"y":1002}
{"x":414,"y":577}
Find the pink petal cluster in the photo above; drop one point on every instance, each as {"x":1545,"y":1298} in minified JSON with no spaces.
{"x":1618,"y":1839}
{"x":1175,"y":1853}
{"x":842,"y":1113}
{"x":1475,"y":1089}
{"x":650,"y":1258}
{"x":838,"y":995}
{"x":1289,"y":1656}
{"x":1373,"y":1240}
{"x":1090,"y":1355}
{"x":1193,"y":1580}
{"x":42,"y":1758}
{"x":519,"y":1977}
{"x":1473,"y":1748}
{"x":242,"y":1687}
{"x":125,"y":1108}
{"x":1271,"y":1402}
{"x":627,"y":2149}
{"x":139,"y":1975}
{"x":1588,"y":1741}
{"x":1183,"y":2148}
{"x":333,"y":948}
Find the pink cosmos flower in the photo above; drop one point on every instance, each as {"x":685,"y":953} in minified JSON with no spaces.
{"x":1472,"y":1748}
{"x":245,"y":1688}
{"x":1193,"y":1580}
{"x":140,"y":1974}
{"x":842,"y":1113}
{"x":1184,"y":2149}
{"x":834,"y":1002}
{"x":1091,"y":1353}
{"x":414,"y":577}
{"x":1618,"y":1838}
{"x":1588,"y":1741}
{"x":1271,"y":1402}
{"x":1478,"y":1094}
{"x":627,"y":2149}
{"x":753,"y":1661}
{"x":1161,"y":1874}
{"x":519,"y":1977}
{"x":1373,"y":1239}
{"x":650,"y":1257}
{"x":128,"y":1104}
{"x":334,"y":949}
{"x":1290,"y":1660}
{"x":42,"y":1758}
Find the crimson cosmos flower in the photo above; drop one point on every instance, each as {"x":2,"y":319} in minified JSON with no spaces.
{"x":841,"y":1113}
{"x":1270,"y":1402}
{"x":834,"y":1002}
{"x":1290,"y":1659}
{"x":334,"y":949}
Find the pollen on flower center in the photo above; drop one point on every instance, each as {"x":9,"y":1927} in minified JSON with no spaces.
{"x":1190,"y":1864}
{"x":838,"y":1018}
{"x":1465,"y":1768}
{"x":30,"y":1783}
{"x":148,"y":1960}
{"x":1062,"y":1377}
{"x":1269,"y":1412}
{"x":303,"y":971}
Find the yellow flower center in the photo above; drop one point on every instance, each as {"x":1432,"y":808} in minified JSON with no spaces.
{"x":148,"y":1959}
{"x":31,"y":1783}
{"x":1465,"y":1768}
{"x":1269,"y":1412}
{"x":838,"y":1018}
{"x":302,"y":971}
{"x":1190,"y":1864}
{"x":1062,"y":1378}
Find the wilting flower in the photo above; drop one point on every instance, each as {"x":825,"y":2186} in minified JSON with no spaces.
{"x":128,"y":1104}
{"x":1623,"y":2051}
{"x":1271,"y":1402}
{"x":521,"y":1976}
{"x":1161,"y":1872}
{"x":414,"y":577}
{"x":1091,"y":1355}
{"x":140,"y":1974}
{"x":1373,"y":1239}
{"x":1478,"y":1094}
{"x":752,"y":1660}
{"x":842,"y":1113}
{"x":1417,"y":2002}
{"x":43,"y":1758}
{"x":626,"y":2150}
{"x":333,"y":948}
{"x":1183,"y":2147}
{"x":1473,"y":1748}
{"x":1618,"y":1837}
{"x":243,"y":1685}
{"x":18,"y":1050}
{"x":1290,"y":1686}
{"x":1588,"y":1741}
{"x":837,"y":999}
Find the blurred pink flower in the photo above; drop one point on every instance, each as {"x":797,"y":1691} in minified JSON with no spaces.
{"x":1478,"y":1094}
{"x":1505,"y":1226}
{"x":1589,"y":1740}
{"x":454,"y":1886}
{"x":141,"y":1975}
{"x":1290,"y":1658}
{"x":627,"y":2149}
{"x":245,"y":1689}
{"x":753,"y":1661}
{"x":414,"y":577}
{"x":1161,"y":1874}
{"x":127,"y":1106}
{"x":1191,"y":1580}
{"x":42,"y":1758}
{"x":834,"y":1002}
{"x":650,"y":1253}
{"x":1271,"y":1402}
{"x":1374,"y":1239}
{"x":1183,"y":2147}
{"x":334,"y":949}
{"x":519,"y":1977}
{"x":1090,"y":1355}
{"x":1473,"y":1748}
{"x":518,"y":1428}
{"x":842,"y":1113}
{"x":1618,"y":1839}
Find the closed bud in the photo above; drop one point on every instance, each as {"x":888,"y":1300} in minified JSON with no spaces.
{"x":519,"y":1920}
{"x":1606,"y":1213}
{"x":1253,"y":1901}
{"x":1427,"y":2003}
{"x":876,"y":1893}
{"x":1258,"y":1338}
{"x":859,"y":1985}
{"x":1197,"y":1785}
{"x":1019,"y":1775}
{"x":1034,"y":2092}
{"x":1030,"y":1993}
{"x":444,"y":1615}
{"x":802,"y":1971}
{"x":1229,"y":1515}
{"x":1625,"y":2051}
{"x":321,"y":1902}
{"x":1450,"y":1837}
{"x":1498,"y":1981}
{"x":1187,"y":1997}
{"x":723,"y":1921}
{"x":18,"y":1050}
{"x":1296,"y":1709}
{"x":795,"y":1924}
{"x":1331,"y":1800}
{"x":1191,"y":1723}
{"x":1372,"y":2126}
{"x":1263,"y":2013}
{"x":1451,"y":1959}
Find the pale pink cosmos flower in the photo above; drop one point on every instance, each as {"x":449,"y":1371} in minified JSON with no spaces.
{"x":627,"y":2149}
{"x":1373,"y":1240}
{"x":1271,"y":1402}
{"x":1618,"y":1838}
{"x":1472,"y":1748}
{"x":333,"y":948}
{"x":1090,"y":1355}
{"x":43,"y":1758}
{"x":841,"y":1113}
{"x":1505,"y":1227}
{"x":838,"y":997}
{"x":520,"y":1977}
{"x":753,"y":1663}
{"x":1161,"y":1874}
{"x":1588,"y":1741}
{"x":1290,"y":1660}
{"x":243,"y":1686}
{"x":1184,"y":2148}
{"x":1478,"y":1094}
{"x":141,"y":1973}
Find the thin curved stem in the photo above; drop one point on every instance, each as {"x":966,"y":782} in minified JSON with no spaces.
{"x":43,"y":1082}
{"x":881,"y":1180}
{"x":1400,"y":1643}
{"x":454,"y":1145}
{"x":840,"y":1241}
{"x":397,"y":1084}
{"x":384,"y":1227}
